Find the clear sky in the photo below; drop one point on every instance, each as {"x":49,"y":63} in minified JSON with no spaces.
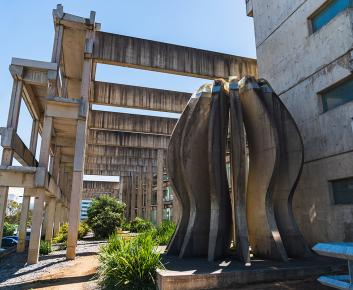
{"x":27,"y":32}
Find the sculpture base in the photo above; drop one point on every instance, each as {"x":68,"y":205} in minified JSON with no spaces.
{"x":199,"y":274}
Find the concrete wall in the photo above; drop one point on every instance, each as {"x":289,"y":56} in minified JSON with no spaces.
{"x":300,"y":64}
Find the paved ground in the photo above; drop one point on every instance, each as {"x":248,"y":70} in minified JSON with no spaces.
{"x":52,"y":271}
{"x":291,"y":285}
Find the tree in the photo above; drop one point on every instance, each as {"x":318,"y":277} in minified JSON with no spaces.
{"x":13,"y":212}
{"x":105,"y":215}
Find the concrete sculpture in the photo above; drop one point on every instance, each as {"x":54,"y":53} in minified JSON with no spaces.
{"x":262,"y":191}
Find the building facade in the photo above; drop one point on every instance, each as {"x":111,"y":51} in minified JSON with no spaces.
{"x":304,"y":49}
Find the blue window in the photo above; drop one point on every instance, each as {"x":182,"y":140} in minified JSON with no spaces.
{"x":329,"y":11}
{"x":337,"y":95}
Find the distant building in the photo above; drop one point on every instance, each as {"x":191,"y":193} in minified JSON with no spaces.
{"x":85,"y":203}
{"x":305,"y":50}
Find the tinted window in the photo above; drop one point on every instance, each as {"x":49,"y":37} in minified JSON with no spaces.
{"x":329,"y":11}
{"x":343,"y":191}
{"x":338,"y":95}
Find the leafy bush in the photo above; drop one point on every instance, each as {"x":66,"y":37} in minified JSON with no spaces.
{"x":165,"y":232}
{"x":129,"y":264}
{"x":126,"y":226}
{"x":105,"y":215}
{"x":83,"y":230}
{"x":139,"y":225}
{"x":45,"y":248}
{"x":9,"y":229}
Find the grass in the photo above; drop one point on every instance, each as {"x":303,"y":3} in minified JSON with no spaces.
{"x":129,"y":264}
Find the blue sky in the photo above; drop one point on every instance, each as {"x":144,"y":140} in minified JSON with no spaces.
{"x":27,"y":32}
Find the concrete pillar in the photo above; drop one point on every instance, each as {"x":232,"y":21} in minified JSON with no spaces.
{"x":176,"y":209}
{"x":50,"y":221}
{"x":133,"y":197}
{"x":160,"y":159}
{"x":37,"y":218}
{"x":77,"y":177}
{"x":149,"y":181}
{"x":7,"y":154}
{"x":22,"y":227}
{"x":57,"y":218}
{"x":139,"y":195}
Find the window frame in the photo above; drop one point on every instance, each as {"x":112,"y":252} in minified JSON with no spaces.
{"x":332,"y":193}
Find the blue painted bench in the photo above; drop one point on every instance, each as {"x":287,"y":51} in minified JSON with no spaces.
{"x":340,"y":251}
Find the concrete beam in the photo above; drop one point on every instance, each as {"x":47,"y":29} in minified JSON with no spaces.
{"x":112,"y":172}
{"x":139,"y":53}
{"x":111,"y":121}
{"x":123,"y":139}
{"x":138,"y":97}
{"x":133,"y":168}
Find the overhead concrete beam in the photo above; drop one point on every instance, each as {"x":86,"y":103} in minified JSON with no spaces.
{"x":139,"y":53}
{"x":123,"y":139}
{"x":110,"y":121}
{"x":89,"y":184}
{"x":113,"y":172}
{"x":138,"y":97}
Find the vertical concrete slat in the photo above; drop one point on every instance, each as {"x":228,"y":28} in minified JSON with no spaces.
{"x":159,"y":186}
{"x":33,"y":251}
{"x":50,"y":222}
{"x":22,"y":228}
{"x":7,"y":154}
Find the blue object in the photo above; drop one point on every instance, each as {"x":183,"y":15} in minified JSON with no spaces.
{"x":328,"y":12}
{"x":8,"y":242}
{"x":341,"y":251}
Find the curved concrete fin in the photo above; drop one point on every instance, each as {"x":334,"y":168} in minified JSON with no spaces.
{"x":290,"y":167}
{"x":238,"y":174}
{"x":177,"y":183}
{"x":194,"y":168}
{"x":221,"y":212}
{"x":264,"y":236}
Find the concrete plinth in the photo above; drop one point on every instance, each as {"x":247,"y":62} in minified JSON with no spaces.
{"x":199,"y":274}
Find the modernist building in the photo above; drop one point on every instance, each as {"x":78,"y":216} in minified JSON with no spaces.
{"x":305,"y":50}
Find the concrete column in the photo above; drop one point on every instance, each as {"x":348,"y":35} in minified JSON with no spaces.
{"x":37,"y":218}
{"x":149,"y":182}
{"x":77,"y":177}
{"x":50,"y":222}
{"x":176,"y":209}
{"x":159,"y":186}
{"x":22,"y":227}
{"x":7,"y":154}
{"x":57,"y":218}
{"x":139,"y":195}
{"x":133,"y":196}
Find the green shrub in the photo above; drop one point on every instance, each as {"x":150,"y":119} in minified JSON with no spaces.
{"x":126,"y":226}
{"x":83,"y":230}
{"x":129,"y":264}
{"x":9,"y":229}
{"x":165,"y":232}
{"x":105,"y":215}
{"x":139,"y":225}
{"x":45,"y":248}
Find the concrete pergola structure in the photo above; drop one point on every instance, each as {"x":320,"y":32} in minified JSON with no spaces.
{"x":77,"y":140}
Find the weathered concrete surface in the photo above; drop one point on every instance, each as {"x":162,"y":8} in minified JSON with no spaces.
{"x":196,"y":274}
{"x":113,"y":151}
{"x":110,"y":121}
{"x":290,"y":153}
{"x":152,"y":55}
{"x":239,"y":178}
{"x":221,"y":211}
{"x":264,"y":236}
{"x":124,"y":139}
{"x":139,"y":97}
{"x":327,"y":137}
{"x":122,"y":160}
